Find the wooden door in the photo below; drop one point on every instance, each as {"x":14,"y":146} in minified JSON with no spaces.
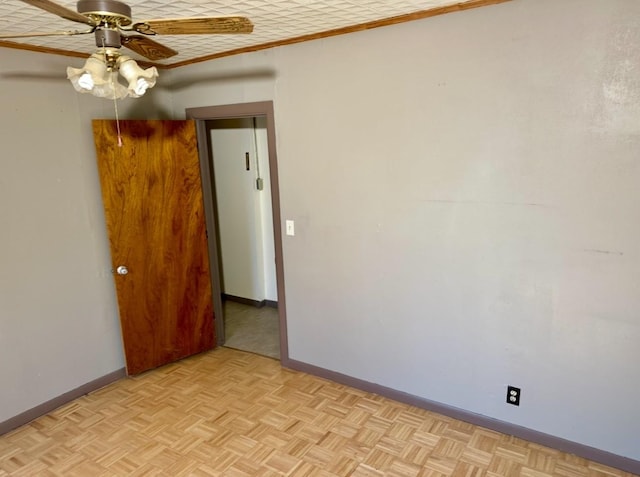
{"x":152,"y":198}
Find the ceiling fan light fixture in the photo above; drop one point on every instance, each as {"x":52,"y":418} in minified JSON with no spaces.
{"x":99,"y":76}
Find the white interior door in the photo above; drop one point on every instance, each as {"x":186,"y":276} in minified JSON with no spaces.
{"x":244,"y":210}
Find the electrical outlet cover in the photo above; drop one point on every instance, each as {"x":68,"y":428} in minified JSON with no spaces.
{"x":513,"y":395}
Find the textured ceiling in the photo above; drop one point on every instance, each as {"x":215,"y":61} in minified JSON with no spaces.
{"x":274,"y":20}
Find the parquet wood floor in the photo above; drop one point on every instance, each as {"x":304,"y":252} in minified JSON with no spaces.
{"x":235,"y":414}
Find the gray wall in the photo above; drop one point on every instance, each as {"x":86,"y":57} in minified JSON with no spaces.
{"x":466,"y":206}
{"x":465,"y":190}
{"x":59,"y":325}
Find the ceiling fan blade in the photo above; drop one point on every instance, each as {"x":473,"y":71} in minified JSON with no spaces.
{"x":195,"y":26}
{"x":59,"y":10}
{"x":148,"y":48}
{"x":53,"y":33}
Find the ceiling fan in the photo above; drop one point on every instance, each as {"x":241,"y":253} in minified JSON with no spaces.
{"x":108,"y":20}
{"x":113,"y":27}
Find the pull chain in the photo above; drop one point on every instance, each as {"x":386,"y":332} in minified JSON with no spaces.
{"x":113,"y":88}
{"x":115,"y":105}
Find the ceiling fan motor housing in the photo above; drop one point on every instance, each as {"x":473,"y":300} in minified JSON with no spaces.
{"x":109,"y":13}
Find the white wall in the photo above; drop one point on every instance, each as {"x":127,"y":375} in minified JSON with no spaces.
{"x":465,"y":190}
{"x":59,"y":325}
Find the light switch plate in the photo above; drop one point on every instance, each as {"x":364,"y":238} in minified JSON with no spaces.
{"x":290,"y":227}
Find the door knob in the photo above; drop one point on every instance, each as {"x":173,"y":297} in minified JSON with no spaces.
{"x":122,"y":270}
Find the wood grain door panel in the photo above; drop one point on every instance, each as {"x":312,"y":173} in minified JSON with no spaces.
{"x":153,"y":204}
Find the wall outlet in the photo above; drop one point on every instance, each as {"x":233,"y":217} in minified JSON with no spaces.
{"x":513,"y":395}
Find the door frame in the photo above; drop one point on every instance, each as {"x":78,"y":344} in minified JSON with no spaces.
{"x":231,"y":111}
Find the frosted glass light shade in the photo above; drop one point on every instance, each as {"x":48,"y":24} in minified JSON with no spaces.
{"x":83,"y":79}
{"x":111,"y":88}
{"x":139,"y":79}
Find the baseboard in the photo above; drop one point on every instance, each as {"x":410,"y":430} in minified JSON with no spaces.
{"x":250,"y":302}
{"x":44,"y":408}
{"x":581,"y":450}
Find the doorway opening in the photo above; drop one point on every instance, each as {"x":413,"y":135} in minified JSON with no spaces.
{"x":238,"y":154}
{"x":240,"y":185}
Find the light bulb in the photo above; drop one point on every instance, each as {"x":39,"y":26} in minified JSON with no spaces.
{"x":141,"y":86}
{"x":86,"y":81}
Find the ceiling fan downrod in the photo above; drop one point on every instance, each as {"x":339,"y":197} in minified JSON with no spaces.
{"x":107,"y":37}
